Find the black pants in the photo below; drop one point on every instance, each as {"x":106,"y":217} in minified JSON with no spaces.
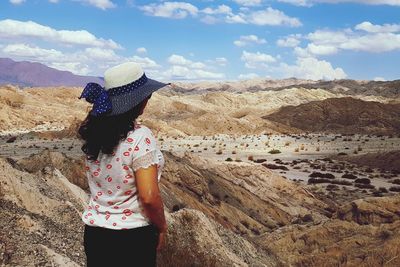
{"x":129,"y":247}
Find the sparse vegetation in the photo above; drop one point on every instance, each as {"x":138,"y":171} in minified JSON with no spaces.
{"x":274,"y":151}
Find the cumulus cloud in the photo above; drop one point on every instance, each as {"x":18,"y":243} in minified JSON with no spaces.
{"x":367,"y":2}
{"x":141,"y":50}
{"x":16,"y":2}
{"x":311,"y":68}
{"x":184,"y":73}
{"x":16,"y":30}
{"x":176,"y":10}
{"x":249,"y":39}
{"x":256,"y":60}
{"x":248,"y":2}
{"x":248,"y":76}
{"x":369,"y":27}
{"x":182,"y":61}
{"x":209,"y":15}
{"x":289,"y":41}
{"x":102,"y":4}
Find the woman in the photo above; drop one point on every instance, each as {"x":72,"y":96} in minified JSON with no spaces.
{"x":124,"y":220}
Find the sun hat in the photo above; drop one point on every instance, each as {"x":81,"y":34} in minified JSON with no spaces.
{"x":125,"y":86}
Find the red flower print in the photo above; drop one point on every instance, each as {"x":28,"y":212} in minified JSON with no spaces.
{"x":127,"y":193}
{"x":109,"y":192}
{"x":127,"y":212}
{"x":128,"y":176}
{"x":114,"y":224}
{"x":97,"y":162}
{"x":130,"y":149}
{"x":97,"y":206}
{"x":87,"y":168}
{"x":110,"y":203}
{"x":98,"y":169}
{"x":99,"y":193}
{"x":107,"y":216}
{"x":136,"y":148}
{"x":130,"y":140}
{"x":89,"y":214}
{"x":126,"y":153}
{"x":126,"y":181}
{"x":95,"y":198}
{"x":147,"y":141}
{"x":90,"y":207}
{"x":118,"y":187}
{"x":91,"y":221}
{"x":109,"y":166}
{"x":116,"y":207}
{"x":113,"y":154}
{"x":109,"y":179}
{"x":96,"y":174}
{"x":126,"y":167}
{"x":98,"y":184}
{"x":85,"y":216}
{"x":123,"y":218}
{"x":117,"y":159}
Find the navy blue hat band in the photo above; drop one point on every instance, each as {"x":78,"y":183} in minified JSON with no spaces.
{"x":127,"y":87}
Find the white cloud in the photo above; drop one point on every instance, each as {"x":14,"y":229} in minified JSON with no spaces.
{"x":379,"y":79}
{"x":248,"y":2}
{"x":185,"y":73}
{"x":321,"y":50}
{"x":145,"y":62}
{"x":16,"y":30}
{"x":311,"y":68}
{"x":221,"y":61}
{"x":101,"y":54}
{"x":272,"y":16}
{"x":182,"y":61}
{"x":54,"y":1}
{"x":176,"y":10}
{"x":16,"y":2}
{"x":256,"y":60}
{"x":209,"y":15}
{"x":102,"y":4}
{"x":356,"y":41}
{"x":289,"y":41}
{"x":249,"y":39}
{"x":369,"y":27}
{"x":221,"y":9}
{"x":367,"y":2}
{"x":248,"y":76}
{"x":141,"y":50}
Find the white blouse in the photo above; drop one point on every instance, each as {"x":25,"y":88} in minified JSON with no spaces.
{"x":114,"y":201}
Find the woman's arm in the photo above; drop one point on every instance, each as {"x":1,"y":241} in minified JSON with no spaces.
{"x":149,"y":195}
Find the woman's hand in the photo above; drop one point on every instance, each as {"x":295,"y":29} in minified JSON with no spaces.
{"x":162,"y":238}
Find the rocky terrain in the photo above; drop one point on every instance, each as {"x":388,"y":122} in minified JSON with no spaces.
{"x":243,"y":185}
{"x":341,"y":115}
{"x":219,"y":214}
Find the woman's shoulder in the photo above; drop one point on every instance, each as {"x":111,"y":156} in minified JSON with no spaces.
{"x":140,"y":130}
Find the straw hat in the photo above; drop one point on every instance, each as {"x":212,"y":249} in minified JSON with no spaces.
{"x":126,"y":85}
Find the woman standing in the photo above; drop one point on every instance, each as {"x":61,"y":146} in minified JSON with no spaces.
{"x":124,"y":220}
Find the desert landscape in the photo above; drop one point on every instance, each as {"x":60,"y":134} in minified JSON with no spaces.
{"x":258,"y":173}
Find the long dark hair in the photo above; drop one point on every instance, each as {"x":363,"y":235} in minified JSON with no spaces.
{"x":104,"y":133}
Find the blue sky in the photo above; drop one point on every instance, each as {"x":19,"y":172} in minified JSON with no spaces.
{"x":208,"y":40}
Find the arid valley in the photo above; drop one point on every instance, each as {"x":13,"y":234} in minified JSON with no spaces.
{"x":258,"y":173}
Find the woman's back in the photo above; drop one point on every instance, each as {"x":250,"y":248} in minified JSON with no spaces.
{"x":114,"y":199}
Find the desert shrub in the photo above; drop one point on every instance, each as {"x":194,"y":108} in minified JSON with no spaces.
{"x":368,"y":186}
{"x":260,"y":160}
{"x":394,"y":188}
{"x":275,"y":167}
{"x":322,"y":175}
{"x":250,"y":158}
{"x":325,"y":180}
{"x":383,"y":190}
{"x":342,"y":154}
{"x":287,"y":143}
{"x":302,"y":147}
{"x":349,"y":176}
{"x":318,"y":149}
{"x":228,"y":159}
{"x":219,"y":152}
{"x":332,"y":187}
{"x":363,"y":181}
{"x":395,"y":181}
{"x":296,"y":149}
{"x":238,"y":160}
{"x":274,"y":151}
{"x":233,"y":152}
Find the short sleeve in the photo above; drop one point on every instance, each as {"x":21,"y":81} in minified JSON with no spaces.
{"x":145,"y":150}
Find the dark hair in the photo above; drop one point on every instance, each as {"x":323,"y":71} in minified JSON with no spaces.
{"x":104,"y":133}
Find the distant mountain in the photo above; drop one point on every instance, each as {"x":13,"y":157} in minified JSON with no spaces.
{"x":26,"y":73}
{"x":341,"y":115}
